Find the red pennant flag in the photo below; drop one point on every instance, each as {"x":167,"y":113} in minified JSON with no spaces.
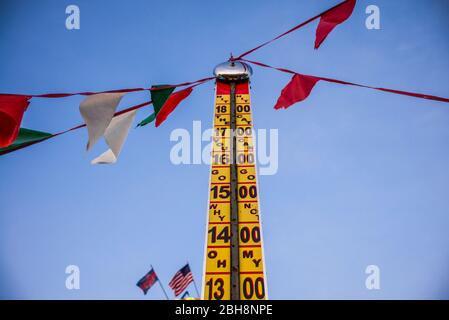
{"x":12,"y":108}
{"x":298,"y":89}
{"x":331,"y":19}
{"x":171,"y":104}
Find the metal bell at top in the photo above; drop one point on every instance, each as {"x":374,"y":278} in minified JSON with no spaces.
{"x":233,"y":71}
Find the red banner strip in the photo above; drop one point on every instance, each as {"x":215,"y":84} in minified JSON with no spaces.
{"x":288,"y":31}
{"x":88,"y":93}
{"x":400,"y":92}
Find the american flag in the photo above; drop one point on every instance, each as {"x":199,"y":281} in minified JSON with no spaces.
{"x":181,"y":280}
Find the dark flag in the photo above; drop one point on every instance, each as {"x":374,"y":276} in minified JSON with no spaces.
{"x":181,"y":280}
{"x":185,"y":295}
{"x":147,"y":281}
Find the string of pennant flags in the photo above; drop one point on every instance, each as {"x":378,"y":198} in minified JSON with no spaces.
{"x":99,"y":109}
{"x":301,"y":85}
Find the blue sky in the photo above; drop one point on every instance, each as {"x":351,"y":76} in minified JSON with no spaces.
{"x":362,"y":178}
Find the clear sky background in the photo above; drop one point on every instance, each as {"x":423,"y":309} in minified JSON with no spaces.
{"x":363,"y":175}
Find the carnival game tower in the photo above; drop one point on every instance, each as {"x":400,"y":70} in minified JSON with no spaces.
{"x":234,"y":267}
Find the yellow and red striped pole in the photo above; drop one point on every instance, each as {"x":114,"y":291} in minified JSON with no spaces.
{"x":234,"y":264}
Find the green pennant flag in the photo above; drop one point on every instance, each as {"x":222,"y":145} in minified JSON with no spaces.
{"x":25,"y":137}
{"x":158,"y":97}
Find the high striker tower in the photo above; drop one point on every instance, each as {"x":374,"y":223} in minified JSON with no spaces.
{"x":234,"y":267}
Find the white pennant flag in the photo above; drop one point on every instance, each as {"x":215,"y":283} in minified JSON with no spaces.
{"x":97,"y":111}
{"x":115,"y":135}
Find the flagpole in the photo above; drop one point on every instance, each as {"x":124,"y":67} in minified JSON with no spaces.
{"x":160,"y":283}
{"x":196,"y":289}
{"x":165,"y":293}
{"x":194,"y":283}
